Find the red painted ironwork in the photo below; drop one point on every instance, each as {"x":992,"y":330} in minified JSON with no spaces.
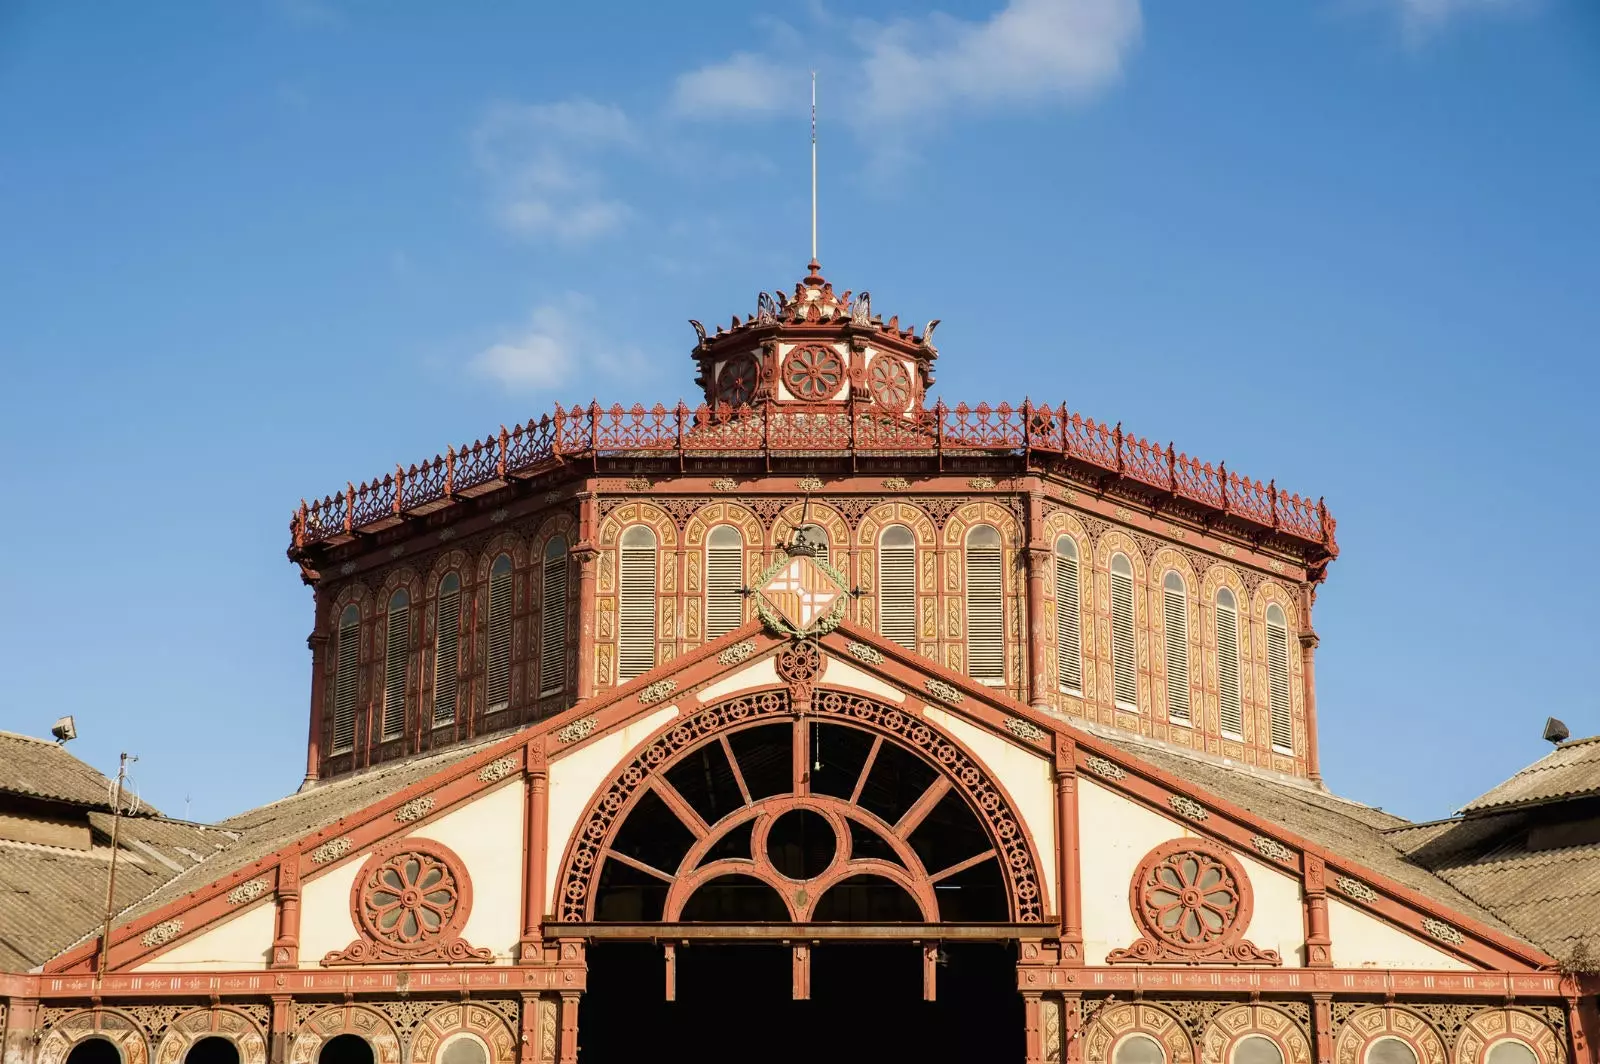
{"x":593,"y":432}
{"x":1192,"y":900}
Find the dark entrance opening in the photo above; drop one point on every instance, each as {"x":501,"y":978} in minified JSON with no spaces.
{"x":345,"y":1049}
{"x":735,"y":1004}
{"x":94,"y":1051}
{"x":212,"y":1050}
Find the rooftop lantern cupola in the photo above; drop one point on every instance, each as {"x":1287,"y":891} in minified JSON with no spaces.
{"x":816,"y":348}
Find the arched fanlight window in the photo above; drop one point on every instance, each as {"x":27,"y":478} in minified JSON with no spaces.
{"x":396,"y":655}
{"x":1256,"y":1049}
{"x":1511,"y":1051}
{"x":897,"y":586}
{"x":1124,"y":646}
{"x":1175,"y":626}
{"x":1390,"y":1051}
{"x":1231,"y":702}
{"x":1278,"y":679}
{"x":498,"y":684}
{"x":1138,"y":1049}
{"x":817,"y":536}
{"x":213,"y":1049}
{"x":724,"y":581}
{"x":986,"y":618}
{"x":637,"y":609}
{"x":447,"y":649}
{"x":1069,"y":637}
{"x":553,"y":619}
{"x":346,"y":680}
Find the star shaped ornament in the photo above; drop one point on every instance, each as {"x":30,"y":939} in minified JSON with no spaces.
{"x":800,"y":597}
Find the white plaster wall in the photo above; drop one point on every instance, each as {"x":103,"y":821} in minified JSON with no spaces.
{"x":841,"y":673}
{"x":1026,"y":777}
{"x":1114,"y":834}
{"x":763,"y":673}
{"x":1361,"y":940}
{"x":576,"y":776}
{"x":1279,"y":920}
{"x":487,"y":835}
{"x":325,"y":921}
{"x":243,"y":941}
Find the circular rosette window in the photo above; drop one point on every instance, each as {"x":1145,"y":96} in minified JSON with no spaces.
{"x":1192,"y":901}
{"x":813,"y":373}
{"x":737,"y":380}
{"x":889,"y":384}
{"x":411,"y":900}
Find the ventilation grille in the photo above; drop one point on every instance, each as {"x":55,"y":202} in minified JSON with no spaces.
{"x":897,"y":595}
{"x":394,"y":672}
{"x":1232,"y":707}
{"x":986,"y":654}
{"x":1175,"y":622}
{"x":1069,"y":645}
{"x":346,"y":685}
{"x":1124,"y":660}
{"x":1278,"y":687}
{"x":637,"y":613}
{"x":447,"y":656}
{"x":724,"y":595}
{"x":498,"y":689}
{"x":553,"y":627}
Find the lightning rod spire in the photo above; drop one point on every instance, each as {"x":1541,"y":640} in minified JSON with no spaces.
{"x":813,"y":165}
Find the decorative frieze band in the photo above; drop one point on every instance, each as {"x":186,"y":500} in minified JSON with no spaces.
{"x":1354,"y":888}
{"x":657,"y":691}
{"x":578,"y":729}
{"x":248,"y":891}
{"x":497,"y":770}
{"x":862,"y":652}
{"x":896,"y":484}
{"x":1442,"y":931}
{"x":1188,"y":807}
{"x":725,"y":484}
{"x":737,"y":653}
{"x":808,"y":484}
{"x":1272,"y":848}
{"x":1023,"y":729}
{"x":331,"y":850}
{"x":415,"y":809}
{"x":165,"y":931}
{"x":944,"y":692}
{"x":981,"y":483}
{"x":1101,"y":767}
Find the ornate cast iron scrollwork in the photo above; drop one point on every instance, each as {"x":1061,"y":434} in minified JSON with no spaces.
{"x":1192,"y":901}
{"x":410,"y":900}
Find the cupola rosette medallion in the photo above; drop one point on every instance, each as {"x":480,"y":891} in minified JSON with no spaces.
{"x":1192,"y":902}
{"x":410,"y":902}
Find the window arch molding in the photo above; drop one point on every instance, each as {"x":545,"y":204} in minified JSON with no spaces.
{"x":608,"y":583}
{"x":1111,"y":544}
{"x":956,"y":771}
{"x":1115,"y":1023}
{"x":328,"y":1023}
{"x":1181,"y":702}
{"x":1233,"y":1025}
{"x":985,"y":584}
{"x":110,"y":1025}
{"x":1489,"y":1028}
{"x":1270,"y":594}
{"x":1216,"y":580}
{"x":1377,"y":1022}
{"x":219,"y":1022}
{"x":447,"y":1023}
{"x":869,"y":565}
{"x":1058,"y":526}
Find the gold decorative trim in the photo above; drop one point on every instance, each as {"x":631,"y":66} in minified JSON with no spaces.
{"x":737,"y":653}
{"x":808,"y":484}
{"x":981,"y":483}
{"x":1023,"y":729}
{"x":165,"y":931}
{"x":896,"y":484}
{"x":248,"y":891}
{"x":1272,"y":848}
{"x":497,"y":770}
{"x":725,"y":484}
{"x":331,"y":850}
{"x":1356,"y":889}
{"x":415,"y":809}
{"x":862,"y":652}
{"x":1442,"y":931}
{"x":944,"y":692}
{"x":578,"y":729}
{"x":1188,"y":807}
{"x":1101,"y":767}
{"x":657,"y":691}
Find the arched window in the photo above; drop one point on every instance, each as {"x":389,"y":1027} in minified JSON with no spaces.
{"x":396,"y":656}
{"x":1175,"y":626}
{"x":986,"y":614}
{"x":1231,"y":708}
{"x":1256,"y":1049}
{"x":637,"y":609}
{"x":464,"y":1049}
{"x":95,"y":1050}
{"x":212,"y":1050}
{"x":346,"y":679}
{"x":498,"y":684}
{"x":1278,"y":679}
{"x":553,"y":619}
{"x":897,"y":586}
{"x":1069,"y":637}
{"x":1138,"y":1049}
{"x":345,"y":1049}
{"x":1390,"y":1051}
{"x":724,"y":581}
{"x":817,"y":536}
{"x":447,"y":649}
{"x":1511,"y":1051}
{"x":1124,"y":646}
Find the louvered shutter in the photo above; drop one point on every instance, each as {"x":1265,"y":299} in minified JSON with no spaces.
{"x":498,"y":687}
{"x":1175,"y":626}
{"x":897,"y":594}
{"x":553,"y":622}
{"x":347,"y":681}
{"x":447,"y":651}
{"x":637,"y":612}
{"x":396,"y":651}
{"x":1278,"y":685}
{"x":724,"y":581}
{"x":1069,"y":640}
{"x":1124,"y":648}
{"x":1231,"y":709}
{"x":986,"y":656}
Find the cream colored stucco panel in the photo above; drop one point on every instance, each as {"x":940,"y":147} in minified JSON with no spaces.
{"x":761,"y":673}
{"x":1363,"y":941}
{"x":575,"y":777}
{"x":841,"y":673}
{"x":325,"y":921}
{"x":1279,"y":920}
{"x":1114,"y":834}
{"x":243,"y":941}
{"x":1026,"y":777}
{"x":486,"y":834}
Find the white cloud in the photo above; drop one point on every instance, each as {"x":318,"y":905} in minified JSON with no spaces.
{"x":559,"y":338}
{"x":1032,"y":50}
{"x":746,"y":84}
{"x":541,"y":161}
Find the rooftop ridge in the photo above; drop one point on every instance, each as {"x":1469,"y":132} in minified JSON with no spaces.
{"x":1004,"y":430}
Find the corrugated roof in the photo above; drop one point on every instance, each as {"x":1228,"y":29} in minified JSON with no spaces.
{"x":1571,"y":770}
{"x":39,"y":768}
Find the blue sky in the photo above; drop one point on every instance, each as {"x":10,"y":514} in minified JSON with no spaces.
{"x":254,"y":250}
